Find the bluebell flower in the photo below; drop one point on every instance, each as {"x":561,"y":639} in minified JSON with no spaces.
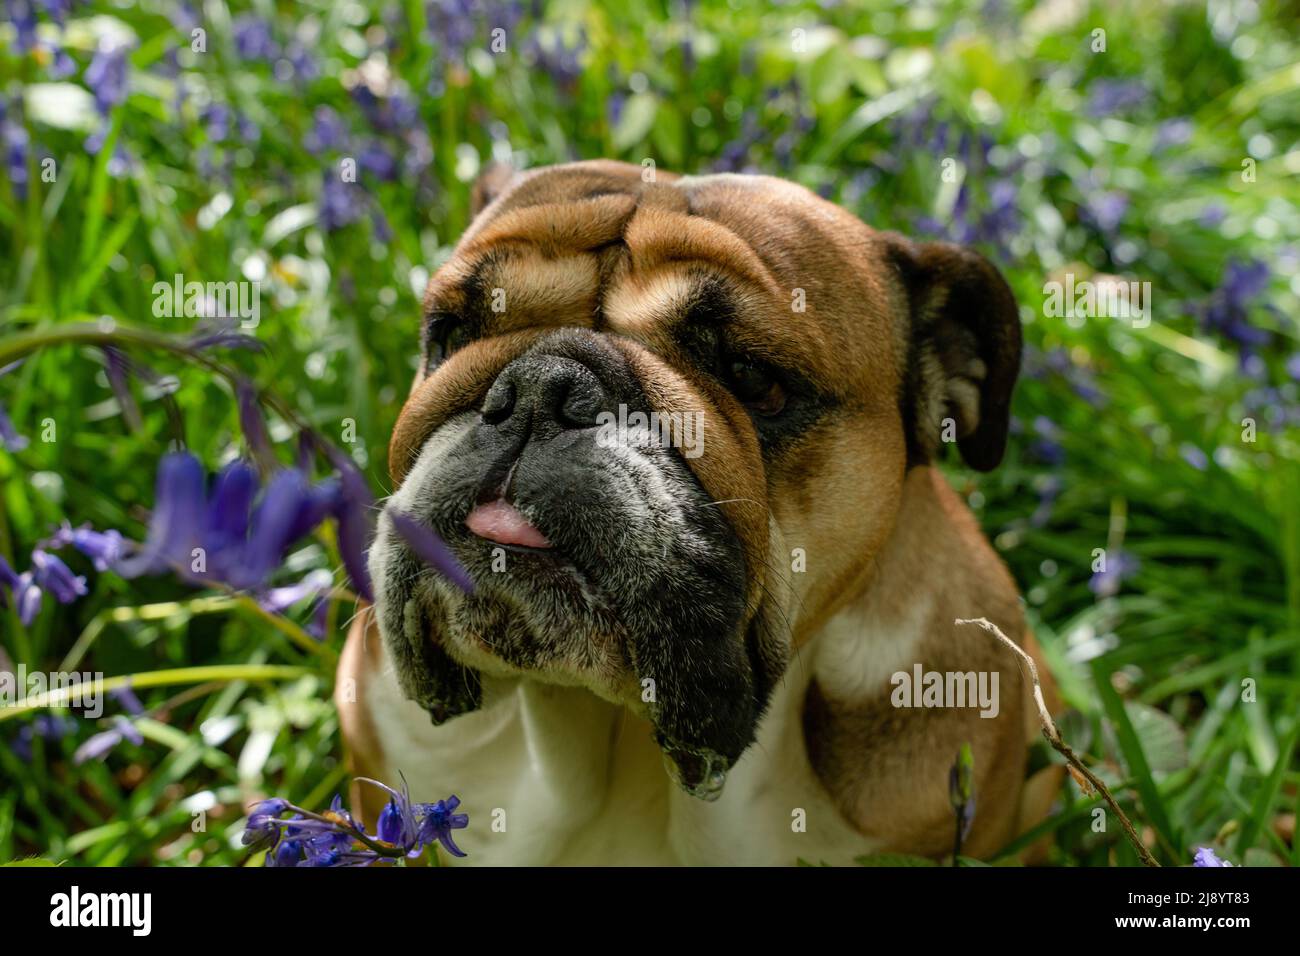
{"x":1194,"y":456}
{"x":52,"y":575}
{"x":287,"y":853}
{"x":1227,"y":310}
{"x":127,"y":700}
{"x":61,"y":65}
{"x":438,"y":820}
{"x":253,"y":38}
{"x":253,"y":424}
{"x":106,"y":76}
{"x":430,"y":549}
{"x":47,"y":727}
{"x":341,"y":204}
{"x":1293,"y":367}
{"x":104,"y":548}
{"x":99,"y":745}
{"x":1047,"y":447}
{"x":1105,"y":210}
{"x":1172,"y":132}
{"x":378,"y":161}
{"x":1206,"y":857}
{"x":305,"y":67}
{"x":313,"y":585}
{"x":353,"y":513}
{"x":216,"y":118}
{"x":16,"y":143}
{"x":262,"y":830}
{"x":22,"y":15}
{"x":335,"y":838}
{"x":1108,"y":97}
{"x":327,"y":132}
{"x":175,"y":528}
{"x":1119,"y":566}
{"x":9,"y":437}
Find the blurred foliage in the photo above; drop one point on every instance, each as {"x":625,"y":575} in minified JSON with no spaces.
{"x":1170,"y":156}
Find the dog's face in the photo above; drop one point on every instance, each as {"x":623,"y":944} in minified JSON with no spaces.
{"x":664,"y":425}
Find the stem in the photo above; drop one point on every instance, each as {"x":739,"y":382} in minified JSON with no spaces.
{"x":218,"y":673}
{"x":1053,"y":736}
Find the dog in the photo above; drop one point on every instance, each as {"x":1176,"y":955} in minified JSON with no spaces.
{"x":685,"y":644}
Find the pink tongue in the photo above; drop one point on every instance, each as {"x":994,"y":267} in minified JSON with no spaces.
{"x":501,"y":522}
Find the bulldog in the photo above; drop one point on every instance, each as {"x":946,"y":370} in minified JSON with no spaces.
{"x":681,"y":432}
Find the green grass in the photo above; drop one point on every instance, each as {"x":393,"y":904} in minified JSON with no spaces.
{"x":1155,"y":670}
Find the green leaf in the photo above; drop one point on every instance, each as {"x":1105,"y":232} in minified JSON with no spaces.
{"x":1268,"y":793}
{"x":638,"y":117}
{"x":1163,"y":740}
{"x":1138,"y":766}
{"x":30,"y":861}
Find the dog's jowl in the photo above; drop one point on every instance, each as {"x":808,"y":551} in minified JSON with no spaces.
{"x":680,"y":639}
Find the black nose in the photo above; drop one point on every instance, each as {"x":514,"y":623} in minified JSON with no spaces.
{"x":541,"y":395}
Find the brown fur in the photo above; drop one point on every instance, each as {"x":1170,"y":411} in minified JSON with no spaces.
{"x":591,"y":245}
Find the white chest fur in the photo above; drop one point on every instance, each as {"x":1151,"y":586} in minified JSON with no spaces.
{"x":554,"y":775}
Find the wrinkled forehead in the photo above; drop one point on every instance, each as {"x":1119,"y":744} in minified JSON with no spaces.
{"x":596,"y":245}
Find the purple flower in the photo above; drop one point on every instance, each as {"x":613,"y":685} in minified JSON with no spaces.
{"x":23,"y":17}
{"x":1194,"y":456}
{"x":125,"y":697}
{"x":262,"y":830}
{"x":353,"y":514}
{"x":174,"y":530}
{"x":327,"y":132}
{"x":1293,"y":367}
{"x":253,"y":425}
{"x":51,"y":574}
{"x":47,"y":727}
{"x":335,"y":838}
{"x":1118,"y":566}
{"x":430,"y":549}
{"x":1108,"y":97}
{"x":438,"y":820}
{"x":13,"y":136}
{"x":314,"y":584}
{"x":341,"y":204}
{"x":1105,"y":210}
{"x":378,"y":161}
{"x":9,"y":437}
{"x":28,"y":598}
{"x":253,"y":39}
{"x":1173,"y":132}
{"x":1227,"y":310}
{"x":1207,"y":857}
{"x":99,"y":745}
{"x":1048,"y":447}
{"x":106,"y":76}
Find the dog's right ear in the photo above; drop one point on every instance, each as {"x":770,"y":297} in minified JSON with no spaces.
{"x":495,"y":179}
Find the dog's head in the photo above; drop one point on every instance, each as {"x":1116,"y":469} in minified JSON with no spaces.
{"x":664,"y":425}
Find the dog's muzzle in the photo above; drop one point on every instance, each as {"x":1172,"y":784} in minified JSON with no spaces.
{"x":597,"y":558}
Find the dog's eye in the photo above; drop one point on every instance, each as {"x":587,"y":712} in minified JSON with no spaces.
{"x":755,"y":386}
{"x":446,"y":335}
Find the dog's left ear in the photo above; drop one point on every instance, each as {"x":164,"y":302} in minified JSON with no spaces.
{"x":963,"y":351}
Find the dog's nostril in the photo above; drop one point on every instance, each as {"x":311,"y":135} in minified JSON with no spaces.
{"x":500,"y":402}
{"x":581,"y":405}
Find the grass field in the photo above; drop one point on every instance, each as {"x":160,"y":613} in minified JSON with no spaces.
{"x":1155,"y":142}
